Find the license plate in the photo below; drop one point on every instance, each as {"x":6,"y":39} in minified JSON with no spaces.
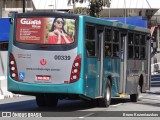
{"x":43,"y":77}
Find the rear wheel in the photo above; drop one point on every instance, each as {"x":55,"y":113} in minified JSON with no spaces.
{"x":46,"y":100}
{"x":105,"y":102}
{"x":51,"y":100}
{"x":135,"y":97}
{"x":40,"y":100}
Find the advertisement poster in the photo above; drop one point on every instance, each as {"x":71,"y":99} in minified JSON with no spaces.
{"x":42,"y":30}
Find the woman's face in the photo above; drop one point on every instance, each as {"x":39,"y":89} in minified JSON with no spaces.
{"x":59,"y":23}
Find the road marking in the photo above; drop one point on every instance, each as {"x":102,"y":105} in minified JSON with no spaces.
{"x":87,"y":115}
{"x":117,"y":104}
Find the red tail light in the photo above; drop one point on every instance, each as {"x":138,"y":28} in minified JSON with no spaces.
{"x":13,"y":68}
{"x":76,"y":68}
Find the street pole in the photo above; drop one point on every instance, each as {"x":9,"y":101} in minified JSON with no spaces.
{"x":74,"y":6}
{"x":125,"y":11}
{"x":24,"y":5}
{"x":55,"y":3}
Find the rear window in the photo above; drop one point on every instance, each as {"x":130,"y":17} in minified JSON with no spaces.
{"x":42,"y":30}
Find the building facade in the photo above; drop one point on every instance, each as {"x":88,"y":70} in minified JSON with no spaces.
{"x":148,"y":9}
{"x":8,"y":6}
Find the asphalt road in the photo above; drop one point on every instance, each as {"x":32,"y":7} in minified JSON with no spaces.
{"x":81,"y":109}
{"x":78,"y":109}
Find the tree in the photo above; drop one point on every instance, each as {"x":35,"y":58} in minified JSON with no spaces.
{"x":95,"y":6}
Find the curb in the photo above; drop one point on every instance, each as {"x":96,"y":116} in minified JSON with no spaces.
{"x":1,"y":97}
{"x":9,"y":96}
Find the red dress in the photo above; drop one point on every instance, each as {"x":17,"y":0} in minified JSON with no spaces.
{"x":54,"y":40}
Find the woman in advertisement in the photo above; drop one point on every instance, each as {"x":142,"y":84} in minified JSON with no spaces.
{"x":58,"y":35}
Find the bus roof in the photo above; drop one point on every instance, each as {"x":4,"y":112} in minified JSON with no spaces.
{"x":116,"y":24}
{"x":92,"y":20}
{"x":135,"y":20}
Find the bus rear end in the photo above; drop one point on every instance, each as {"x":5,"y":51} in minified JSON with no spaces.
{"x":39,"y":64}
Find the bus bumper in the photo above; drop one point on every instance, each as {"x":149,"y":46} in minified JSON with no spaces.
{"x":30,"y":88}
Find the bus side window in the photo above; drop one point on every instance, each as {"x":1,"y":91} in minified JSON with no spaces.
{"x":130,"y":45}
{"x":108,"y":44}
{"x":90,"y":46}
{"x":108,"y":49}
{"x":137,"y":39}
{"x":130,"y":52}
{"x":116,"y":43}
{"x":130,"y":38}
{"x":136,"y":52}
{"x":90,"y":41}
{"x":142,"y":47}
{"x":116,"y":50}
{"x":142,"y":40}
{"x":142,"y":52}
{"x":136,"y":43}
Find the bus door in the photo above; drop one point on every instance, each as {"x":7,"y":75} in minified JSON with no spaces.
{"x":100,"y":58}
{"x":123,"y":57}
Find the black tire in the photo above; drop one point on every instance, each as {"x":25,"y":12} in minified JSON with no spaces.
{"x":135,"y":97}
{"x":48,"y":100}
{"x":51,"y":100}
{"x":105,"y":102}
{"x":40,"y":100}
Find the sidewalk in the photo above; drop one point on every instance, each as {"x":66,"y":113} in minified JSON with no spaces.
{"x":4,"y":93}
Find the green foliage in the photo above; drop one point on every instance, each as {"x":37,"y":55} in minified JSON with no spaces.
{"x":70,"y":28}
{"x":80,"y":10}
{"x":72,"y":1}
{"x":95,"y":7}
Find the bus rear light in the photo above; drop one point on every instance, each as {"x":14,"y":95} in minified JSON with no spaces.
{"x":74,"y":77}
{"x":13,"y":68}
{"x":13,"y":75}
{"x":75,"y":70}
{"x":12,"y":62}
{"x":76,"y":67}
{"x":76,"y":64}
